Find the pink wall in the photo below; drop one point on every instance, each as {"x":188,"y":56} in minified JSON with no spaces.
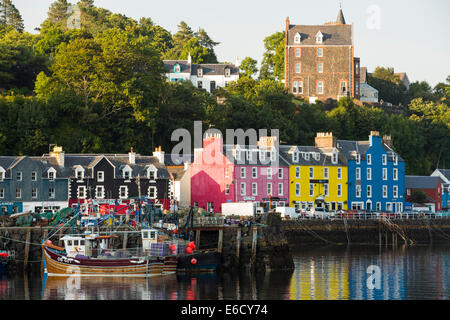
{"x":261,"y":180}
{"x":208,"y":176}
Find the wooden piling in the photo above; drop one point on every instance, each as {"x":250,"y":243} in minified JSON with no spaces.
{"x":219,"y":242}
{"x":27,"y":249}
{"x":254,"y":240}
{"x":197,"y":238}
{"x":238,"y":242}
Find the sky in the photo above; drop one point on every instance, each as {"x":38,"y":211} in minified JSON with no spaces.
{"x":412,"y":36}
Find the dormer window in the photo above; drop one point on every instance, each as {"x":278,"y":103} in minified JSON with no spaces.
{"x":358,"y":158}
{"x":151,"y":173}
{"x":295,"y":157}
{"x":262,"y":155}
{"x":79,"y":173}
{"x":317,"y":156}
{"x":199,"y":72}
{"x":2,"y":174}
{"x":273,"y":155}
{"x":297,"y":38}
{"x":334,"y":158}
{"x":306,"y":156}
{"x":51,"y":174}
{"x":319,"y":37}
{"x":227,"y":72}
{"x":126,"y":173}
{"x":176,"y":68}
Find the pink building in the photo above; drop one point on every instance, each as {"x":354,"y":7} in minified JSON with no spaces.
{"x":234,"y":173}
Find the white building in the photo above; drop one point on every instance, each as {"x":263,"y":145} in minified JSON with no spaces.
{"x":208,"y":76}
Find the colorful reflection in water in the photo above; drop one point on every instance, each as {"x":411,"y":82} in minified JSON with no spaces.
{"x":320,"y":274}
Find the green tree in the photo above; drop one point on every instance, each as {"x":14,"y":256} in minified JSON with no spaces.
{"x":10,"y":17}
{"x":249,"y":67}
{"x":419,"y":196}
{"x":272,"y":66}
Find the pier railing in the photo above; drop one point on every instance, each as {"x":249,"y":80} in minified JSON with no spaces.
{"x":374,"y":216}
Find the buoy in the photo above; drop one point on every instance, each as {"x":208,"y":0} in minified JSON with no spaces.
{"x":175,"y":231}
{"x":194,"y":261}
{"x":49,"y":242}
{"x":174,"y":252}
{"x":173,"y":247}
{"x":191,"y":245}
{"x":188,"y":250}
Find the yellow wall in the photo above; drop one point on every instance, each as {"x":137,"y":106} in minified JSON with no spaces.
{"x":333,"y":181}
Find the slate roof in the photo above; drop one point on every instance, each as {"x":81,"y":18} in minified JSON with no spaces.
{"x":177,"y":172}
{"x":209,"y":69}
{"x":446,"y":173}
{"x":324,"y":160}
{"x":255,"y":159}
{"x":6,"y":162}
{"x":172,"y":160}
{"x":332,"y":34}
{"x":421,"y":182}
{"x":350,"y":148}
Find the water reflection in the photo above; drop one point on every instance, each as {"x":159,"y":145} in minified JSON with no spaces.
{"x":405,"y":273}
{"x":320,"y":274}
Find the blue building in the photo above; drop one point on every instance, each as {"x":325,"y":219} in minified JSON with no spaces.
{"x":376,"y":174}
{"x":444,"y":174}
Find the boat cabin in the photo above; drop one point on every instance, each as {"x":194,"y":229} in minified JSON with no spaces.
{"x":149,"y":236}
{"x":86,"y":245}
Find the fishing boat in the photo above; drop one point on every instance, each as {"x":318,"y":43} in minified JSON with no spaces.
{"x":91,"y":254}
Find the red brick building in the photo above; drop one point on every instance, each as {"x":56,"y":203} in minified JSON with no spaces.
{"x":431,"y":185}
{"x":320,"y":62}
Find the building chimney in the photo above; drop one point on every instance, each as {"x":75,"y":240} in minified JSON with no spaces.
{"x":325,"y":140}
{"x":58,"y":154}
{"x":374,"y":136}
{"x":387,"y":139}
{"x":132,"y":157}
{"x":267,"y":142}
{"x":189,"y":58}
{"x":158,"y":153}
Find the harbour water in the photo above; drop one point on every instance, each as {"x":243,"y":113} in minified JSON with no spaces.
{"x":332,"y":273}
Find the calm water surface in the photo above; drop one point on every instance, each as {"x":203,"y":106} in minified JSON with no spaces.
{"x":320,"y":274}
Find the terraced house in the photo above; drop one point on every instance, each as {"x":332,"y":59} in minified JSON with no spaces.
{"x":317,"y":174}
{"x":32,"y":184}
{"x":376,"y":174}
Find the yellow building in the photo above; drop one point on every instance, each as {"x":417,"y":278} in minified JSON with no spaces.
{"x":318,"y":175}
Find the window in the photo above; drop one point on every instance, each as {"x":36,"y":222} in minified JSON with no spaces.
{"x":294,"y":87}
{"x":34,"y":193}
{"x":395,"y":174}
{"x":358,"y":158}
{"x":298,"y":52}
{"x":325,"y":190}
{"x":262,"y":155}
{"x":358,"y":173}
{"x":269,"y":189}
{"x":320,"y":67}
{"x":378,"y":206}
{"x":242,"y":172}
{"x":177,"y":68}
{"x":248,"y":155}
{"x":384,"y":173}
{"x":306,"y":156}
{"x":320,"y":52}
{"x":297,"y":172}
{"x":297,"y":38}
{"x":369,"y":159}
{"x":126,"y":174}
{"x":81,"y":192}
{"x":339,"y":190}
{"x":395,"y":191}
{"x":369,"y":173}
{"x":242,"y":188}
{"x":300,"y":87}
{"x":319,"y":37}
{"x":269,"y":173}
{"x":18,"y":193}
{"x":152,"y":192}
{"x":343,"y":87}
{"x":196,"y":204}
{"x":100,"y":176}
{"x":99,"y":192}
{"x":19,"y":175}
{"x":317,"y":156}
{"x":151,"y":175}
{"x":227,"y":72}
{"x":369,"y":191}
{"x":254,"y":173}
{"x":79,"y":174}
{"x":2,"y":193}
{"x":123,"y":192}
{"x":200,"y":84}
{"x":227,"y":172}
{"x":334,"y":158}
{"x":384,"y":157}
{"x":325,"y":173}
{"x":51,"y":175}
{"x":199,"y":72}
{"x":280,"y":189}
{"x":297,"y":189}
{"x":319,"y":87}
{"x":280,"y":173}
{"x":385,"y":192}
{"x":339,"y":173}
{"x":358,"y":191}
{"x":311,"y":189}
{"x":311,"y":172}
{"x":227,"y":189}
{"x":295,"y":157}
{"x":33,"y":176}
{"x":298,"y":67}
{"x":297,"y":87}
{"x":254,"y":189}
{"x":51,"y":193}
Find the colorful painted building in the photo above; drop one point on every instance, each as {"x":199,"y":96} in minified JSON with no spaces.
{"x":376,"y":174}
{"x":317,"y":175}
{"x":444,"y":174}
